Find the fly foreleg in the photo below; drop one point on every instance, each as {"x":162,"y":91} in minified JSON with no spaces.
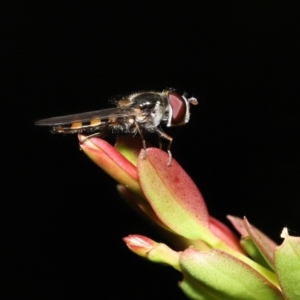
{"x":162,"y":134}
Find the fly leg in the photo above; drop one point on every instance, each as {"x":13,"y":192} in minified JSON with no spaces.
{"x":162,"y":134}
{"x":143,"y":139}
{"x":159,"y":142}
{"x":103,"y":133}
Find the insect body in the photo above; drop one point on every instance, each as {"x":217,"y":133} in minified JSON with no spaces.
{"x":137,"y":113}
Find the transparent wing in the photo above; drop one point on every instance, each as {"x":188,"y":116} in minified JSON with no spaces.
{"x":103,"y":114}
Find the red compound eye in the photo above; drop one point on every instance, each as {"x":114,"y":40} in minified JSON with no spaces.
{"x":178,"y":108}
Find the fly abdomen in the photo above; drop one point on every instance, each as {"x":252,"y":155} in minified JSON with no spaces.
{"x":79,"y":127}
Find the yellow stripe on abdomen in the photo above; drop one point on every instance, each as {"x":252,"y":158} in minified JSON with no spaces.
{"x":95,"y":122}
{"x":76,"y":125}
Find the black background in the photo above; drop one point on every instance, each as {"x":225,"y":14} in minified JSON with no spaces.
{"x":240,"y":59}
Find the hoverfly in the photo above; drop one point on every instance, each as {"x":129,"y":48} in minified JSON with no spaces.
{"x":137,"y":113}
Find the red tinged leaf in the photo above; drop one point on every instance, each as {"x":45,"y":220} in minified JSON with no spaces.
{"x":261,"y":242}
{"x":141,"y":206}
{"x":225,"y":234}
{"x":173,"y":195}
{"x":287,"y":262}
{"x":218,"y":275}
{"x":111,"y":161}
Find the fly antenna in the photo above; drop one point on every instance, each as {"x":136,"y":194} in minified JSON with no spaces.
{"x":193,"y":101}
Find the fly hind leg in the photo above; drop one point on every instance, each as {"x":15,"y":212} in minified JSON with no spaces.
{"x":102,"y":133}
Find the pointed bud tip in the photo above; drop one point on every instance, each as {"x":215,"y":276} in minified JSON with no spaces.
{"x":139,"y":240}
{"x":139,"y":244}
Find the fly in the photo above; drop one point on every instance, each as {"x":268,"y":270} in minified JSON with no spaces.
{"x":138,"y":113}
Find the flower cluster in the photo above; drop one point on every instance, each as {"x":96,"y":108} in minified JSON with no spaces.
{"x":214,"y":263}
